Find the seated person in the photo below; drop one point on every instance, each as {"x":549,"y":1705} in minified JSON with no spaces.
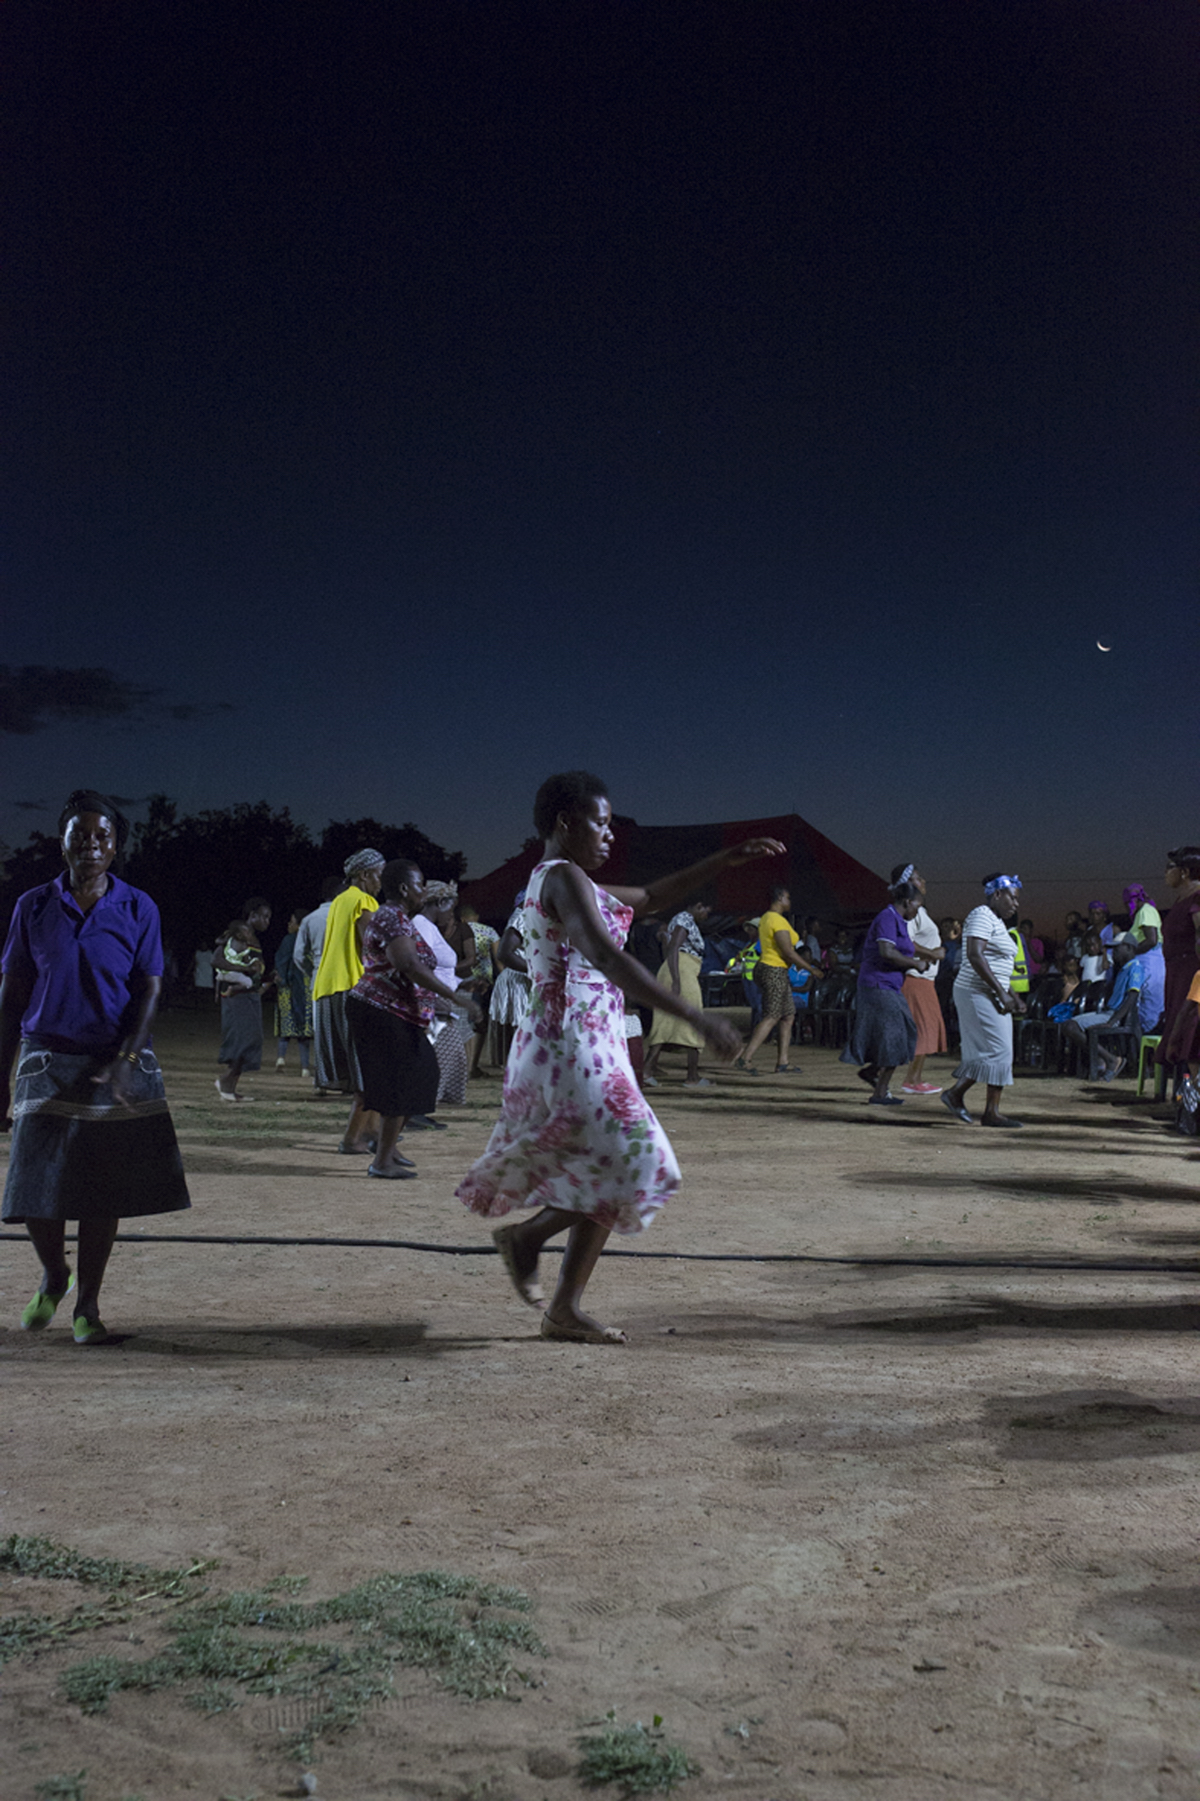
{"x":1094,"y":965}
{"x":840,"y":955}
{"x":1127,"y":980}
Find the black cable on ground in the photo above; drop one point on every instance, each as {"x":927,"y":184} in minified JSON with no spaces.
{"x":1149,"y":1265}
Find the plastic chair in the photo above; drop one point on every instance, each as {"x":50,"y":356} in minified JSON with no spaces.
{"x":1149,"y":1043}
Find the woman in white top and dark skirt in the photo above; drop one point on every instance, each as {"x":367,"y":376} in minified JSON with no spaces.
{"x":985,"y":1004}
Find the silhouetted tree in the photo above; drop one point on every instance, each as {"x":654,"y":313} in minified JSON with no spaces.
{"x":342,"y":837}
{"x":200,"y":867}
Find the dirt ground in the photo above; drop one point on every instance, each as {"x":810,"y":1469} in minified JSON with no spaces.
{"x":872,"y":1505}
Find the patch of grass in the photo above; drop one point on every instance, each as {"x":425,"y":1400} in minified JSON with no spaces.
{"x":131,"y":1586}
{"x":640,"y":1758}
{"x":62,"y":1788}
{"x":339,"y":1654}
{"x":59,"y":1563}
{"x":229,"y":1647}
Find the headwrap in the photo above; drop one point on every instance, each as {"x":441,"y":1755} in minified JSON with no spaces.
{"x":86,"y":800}
{"x":1001,"y":882}
{"x":437,"y":894}
{"x":363,"y":859}
{"x":904,"y":877}
{"x":1097,"y":906}
{"x":1134,"y":898}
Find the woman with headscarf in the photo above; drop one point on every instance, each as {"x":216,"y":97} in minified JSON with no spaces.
{"x":884,"y":1035}
{"x":435,"y":922}
{"x":985,"y":1003}
{"x":683,"y":956}
{"x":1145,"y":926}
{"x":92,"y":1139}
{"x":1180,"y":1041}
{"x":339,"y":969}
{"x":920,"y":991}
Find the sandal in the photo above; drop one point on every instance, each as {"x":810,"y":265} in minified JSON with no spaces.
{"x":528,"y":1287}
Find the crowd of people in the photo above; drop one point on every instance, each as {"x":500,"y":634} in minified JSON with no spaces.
{"x":388,"y":985}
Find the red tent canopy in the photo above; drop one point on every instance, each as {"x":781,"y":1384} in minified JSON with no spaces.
{"x":823,"y":878}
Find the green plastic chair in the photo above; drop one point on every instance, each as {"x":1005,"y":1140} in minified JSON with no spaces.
{"x":1148,"y":1044}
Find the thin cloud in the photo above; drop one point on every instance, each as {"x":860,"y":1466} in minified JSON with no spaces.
{"x":31,"y":806}
{"x":34,"y":697}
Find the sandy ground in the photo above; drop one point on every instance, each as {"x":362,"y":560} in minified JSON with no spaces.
{"x":854,"y":1526}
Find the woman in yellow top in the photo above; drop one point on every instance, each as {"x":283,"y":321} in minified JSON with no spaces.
{"x":341,"y":966}
{"x":777,"y":940}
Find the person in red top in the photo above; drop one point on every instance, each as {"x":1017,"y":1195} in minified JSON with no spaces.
{"x":389,"y":1010}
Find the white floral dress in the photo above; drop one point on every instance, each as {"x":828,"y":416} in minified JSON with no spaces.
{"x":574,"y":1129}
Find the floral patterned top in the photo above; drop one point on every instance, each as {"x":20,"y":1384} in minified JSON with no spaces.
{"x":693,"y":937}
{"x":574,"y":1131}
{"x":382,"y":986}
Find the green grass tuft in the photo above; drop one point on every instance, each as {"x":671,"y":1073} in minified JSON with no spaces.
{"x":640,"y":1759}
{"x":62,"y":1788}
{"x":339,"y":1654}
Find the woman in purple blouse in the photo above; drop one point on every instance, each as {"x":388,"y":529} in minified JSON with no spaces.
{"x":92,"y":1139}
{"x":885,"y":1033}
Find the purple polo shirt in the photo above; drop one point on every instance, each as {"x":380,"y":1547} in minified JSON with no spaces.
{"x":873,"y":971}
{"x":86,"y":969}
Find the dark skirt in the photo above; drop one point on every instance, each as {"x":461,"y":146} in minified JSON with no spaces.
{"x":885,"y":1033}
{"x":242,"y":1030}
{"x":399,"y":1070}
{"x":337,"y":1059}
{"x":78,"y":1154}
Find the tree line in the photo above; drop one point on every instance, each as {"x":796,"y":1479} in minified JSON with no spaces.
{"x":200,"y":867}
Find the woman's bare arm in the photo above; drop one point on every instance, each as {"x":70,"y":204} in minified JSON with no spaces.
{"x":670,"y":891}
{"x":571,"y":899}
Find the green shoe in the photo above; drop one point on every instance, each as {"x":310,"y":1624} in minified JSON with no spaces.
{"x":89,"y":1331}
{"x":41,"y":1309}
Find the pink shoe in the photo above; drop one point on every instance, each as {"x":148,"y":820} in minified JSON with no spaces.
{"x":920,"y":1088}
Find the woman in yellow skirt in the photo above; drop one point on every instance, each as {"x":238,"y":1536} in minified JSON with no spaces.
{"x":680,"y":972}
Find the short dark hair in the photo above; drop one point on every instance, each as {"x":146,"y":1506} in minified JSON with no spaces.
{"x":331,"y":886}
{"x":904,"y":891}
{"x":776,"y":891}
{"x":86,"y":800}
{"x":394,"y":873}
{"x":1187,"y":858}
{"x":253,"y":904}
{"x":567,"y":793}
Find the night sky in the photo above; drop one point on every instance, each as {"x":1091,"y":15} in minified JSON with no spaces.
{"x":766,"y":405}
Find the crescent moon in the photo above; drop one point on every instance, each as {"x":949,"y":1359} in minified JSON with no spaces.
{"x":1100,"y":646}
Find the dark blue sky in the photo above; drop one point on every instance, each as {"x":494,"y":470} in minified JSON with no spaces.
{"x":767,"y":406}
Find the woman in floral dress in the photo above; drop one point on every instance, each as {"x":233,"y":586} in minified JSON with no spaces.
{"x":575,"y":1138}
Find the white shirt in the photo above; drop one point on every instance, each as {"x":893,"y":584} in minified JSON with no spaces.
{"x":925,"y":937}
{"x":999,"y":951}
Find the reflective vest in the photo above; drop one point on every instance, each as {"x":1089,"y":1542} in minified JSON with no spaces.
{"x":745,"y":962}
{"x":1020,"y":974}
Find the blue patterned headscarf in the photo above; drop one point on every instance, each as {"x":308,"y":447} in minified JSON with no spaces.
{"x":999,"y":883}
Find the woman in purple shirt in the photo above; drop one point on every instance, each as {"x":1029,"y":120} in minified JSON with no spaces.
{"x":92,"y":1139}
{"x":885,"y":1033}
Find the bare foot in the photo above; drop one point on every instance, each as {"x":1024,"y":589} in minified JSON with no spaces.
{"x":580,"y":1328}
{"x":521,"y":1264}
